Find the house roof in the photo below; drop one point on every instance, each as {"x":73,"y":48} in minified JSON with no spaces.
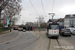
{"x":61,"y":19}
{"x":67,"y":16}
{"x":70,"y":16}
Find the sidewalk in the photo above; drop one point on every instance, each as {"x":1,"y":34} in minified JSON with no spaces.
{"x":5,"y":32}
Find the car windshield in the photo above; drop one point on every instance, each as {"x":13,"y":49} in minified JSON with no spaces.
{"x":71,"y":28}
{"x":74,"y":31}
{"x":20,"y":27}
{"x":24,"y":27}
{"x":67,"y":30}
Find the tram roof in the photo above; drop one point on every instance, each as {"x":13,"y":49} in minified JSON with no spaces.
{"x":52,"y":20}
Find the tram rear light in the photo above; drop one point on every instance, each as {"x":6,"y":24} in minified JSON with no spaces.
{"x":63,"y":31}
{"x":57,"y":22}
{"x":56,"y":30}
{"x":52,"y":30}
{"x":17,"y":27}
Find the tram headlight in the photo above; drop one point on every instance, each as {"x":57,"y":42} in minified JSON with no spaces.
{"x":57,"y":22}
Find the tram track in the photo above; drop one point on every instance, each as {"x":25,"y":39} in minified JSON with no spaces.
{"x":33,"y":41}
{"x":58,"y":43}
{"x":49,"y":45}
{"x":28,"y":44}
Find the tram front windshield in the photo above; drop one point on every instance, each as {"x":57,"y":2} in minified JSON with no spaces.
{"x":53,"y":26}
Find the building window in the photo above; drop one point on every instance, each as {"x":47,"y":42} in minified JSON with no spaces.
{"x":72,"y":22}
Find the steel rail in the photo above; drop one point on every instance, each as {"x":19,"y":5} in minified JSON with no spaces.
{"x":49,"y":44}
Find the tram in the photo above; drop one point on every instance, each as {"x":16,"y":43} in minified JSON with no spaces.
{"x":53,"y":28}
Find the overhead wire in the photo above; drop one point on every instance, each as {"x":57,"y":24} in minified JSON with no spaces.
{"x":53,"y":5}
{"x":43,"y":7}
{"x":33,"y":7}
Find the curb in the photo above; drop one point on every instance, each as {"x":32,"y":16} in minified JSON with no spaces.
{"x":6,"y":33}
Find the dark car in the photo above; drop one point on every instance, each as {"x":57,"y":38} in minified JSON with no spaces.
{"x":65,"y":32}
{"x":24,"y":29}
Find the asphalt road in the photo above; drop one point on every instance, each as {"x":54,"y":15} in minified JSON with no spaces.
{"x":24,"y":39}
{"x":9,"y":36}
{"x":37,"y":41}
{"x":70,"y":39}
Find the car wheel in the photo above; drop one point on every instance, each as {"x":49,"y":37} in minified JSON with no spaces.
{"x":70,"y":35}
{"x":48,"y":36}
{"x":57,"y":37}
{"x":61,"y":34}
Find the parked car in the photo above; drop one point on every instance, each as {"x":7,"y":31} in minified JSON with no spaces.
{"x":15,"y":28}
{"x":20,"y":28}
{"x":65,"y":32}
{"x":72,"y":30}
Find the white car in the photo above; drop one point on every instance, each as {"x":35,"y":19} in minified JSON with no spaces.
{"x":72,"y":30}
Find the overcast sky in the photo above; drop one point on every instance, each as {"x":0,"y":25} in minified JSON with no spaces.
{"x":61,"y":8}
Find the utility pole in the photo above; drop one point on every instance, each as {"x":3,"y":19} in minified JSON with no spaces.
{"x":0,"y":16}
{"x":40,"y":18}
{"x":23,"y":22}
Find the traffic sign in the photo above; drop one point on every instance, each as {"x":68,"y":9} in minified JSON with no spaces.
{"x":6,"y":22}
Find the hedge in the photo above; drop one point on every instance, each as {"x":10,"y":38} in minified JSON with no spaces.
{"x":1,"y":25}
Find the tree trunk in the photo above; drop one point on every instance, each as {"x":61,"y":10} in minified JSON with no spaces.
{"x":0,"y":16}
{"x":10,"y":22}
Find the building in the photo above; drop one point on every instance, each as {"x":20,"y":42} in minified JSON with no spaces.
{"x":69,"y":21}
{"x":29,"y":24}
{"x":2,"y":21}
{"x":61,"y":21}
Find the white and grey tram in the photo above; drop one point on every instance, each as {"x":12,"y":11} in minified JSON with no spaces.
{"x":53,"y":29}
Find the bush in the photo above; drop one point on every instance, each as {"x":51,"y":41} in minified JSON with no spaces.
{"x":43,"y":25}
{"x":1,"y":25}
{"x":4,"y":29}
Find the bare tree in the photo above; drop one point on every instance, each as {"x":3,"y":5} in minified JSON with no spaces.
{"x":40,"y":19}
{"x":15,"y":19}
{"x":3,"y":3}
{"x":12,"y":8}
